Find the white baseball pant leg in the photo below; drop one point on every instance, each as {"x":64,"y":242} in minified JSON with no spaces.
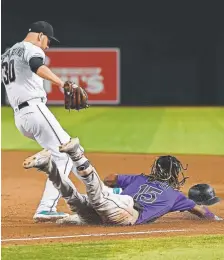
{"x":37,"y":122}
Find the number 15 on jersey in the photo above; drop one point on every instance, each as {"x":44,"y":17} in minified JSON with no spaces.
{"x":147,"y":194}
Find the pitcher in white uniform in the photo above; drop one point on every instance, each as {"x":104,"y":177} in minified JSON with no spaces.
{"x":23,"y":71}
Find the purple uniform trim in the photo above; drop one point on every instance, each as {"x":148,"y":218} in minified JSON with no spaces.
{"x":209,"y":214}
{"x":154,"y":198}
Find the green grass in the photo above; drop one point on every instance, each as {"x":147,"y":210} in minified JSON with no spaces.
{"x":133,"y":130}
{"x":173,"y":248}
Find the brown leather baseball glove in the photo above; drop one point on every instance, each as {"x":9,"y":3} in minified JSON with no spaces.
{"x":75,"y":97}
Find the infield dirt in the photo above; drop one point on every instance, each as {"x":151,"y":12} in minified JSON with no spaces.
{"x":22,"y":190}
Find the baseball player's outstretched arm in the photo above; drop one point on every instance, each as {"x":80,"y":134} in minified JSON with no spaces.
{"x":203,"y":212}
{"x":45,"y":73}
{"x":35,"y":57}
{"x":120,"y":180}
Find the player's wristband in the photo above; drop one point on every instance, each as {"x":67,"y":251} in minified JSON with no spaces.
{"x":117,"y":190}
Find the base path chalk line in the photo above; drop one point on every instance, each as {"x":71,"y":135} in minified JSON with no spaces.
{"x":96,"y":235}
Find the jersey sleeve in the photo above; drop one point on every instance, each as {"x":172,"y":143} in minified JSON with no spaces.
{"x":123,"y":180}
{"x":33,"y":51}
{"x":182,"y":203}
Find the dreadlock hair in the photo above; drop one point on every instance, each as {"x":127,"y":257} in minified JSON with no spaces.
{"x":167,"y":169}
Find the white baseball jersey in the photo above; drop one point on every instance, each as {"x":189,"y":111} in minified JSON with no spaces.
{"x":34,"y":120}
{"x":20,"y":82}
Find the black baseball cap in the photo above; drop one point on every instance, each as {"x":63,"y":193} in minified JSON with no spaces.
{"x":43,"y":27}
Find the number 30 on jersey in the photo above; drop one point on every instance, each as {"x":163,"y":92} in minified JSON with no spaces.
{"x":8,"y":72}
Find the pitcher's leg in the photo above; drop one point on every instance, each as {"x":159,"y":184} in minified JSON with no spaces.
{"x":49,"y":198}
{"x":30,"y":127}
{"x":41,"y":125}
{"x":114,"y":209}
{"x":49,"y":134}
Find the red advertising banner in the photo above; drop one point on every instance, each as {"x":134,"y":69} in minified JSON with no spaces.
{"x":96,"y":70}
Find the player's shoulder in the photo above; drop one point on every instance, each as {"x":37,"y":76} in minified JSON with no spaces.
{"x":180,"y":195}
{"x":134,"y":176}
{"x":32,"y":48}
{"x":9,"y":49}
{"x":141,"y":176}
{"x":31,"y":51}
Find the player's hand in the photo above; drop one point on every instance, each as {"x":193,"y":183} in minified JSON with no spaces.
{"x":69,"y":85}
{"x":218,"y":218}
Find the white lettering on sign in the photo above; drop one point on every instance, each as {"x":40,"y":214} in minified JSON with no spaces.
{"x":90,"y":77}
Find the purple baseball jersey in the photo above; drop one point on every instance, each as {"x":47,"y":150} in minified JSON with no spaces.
{"x":155,"y":198}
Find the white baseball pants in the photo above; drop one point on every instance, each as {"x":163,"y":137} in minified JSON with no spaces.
{"x":38,"y":123}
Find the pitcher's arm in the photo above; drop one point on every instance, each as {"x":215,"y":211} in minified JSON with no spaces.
{"x":37,"y":66}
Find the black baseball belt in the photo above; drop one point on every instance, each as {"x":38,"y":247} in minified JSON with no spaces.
{"x":22,"y":105}
{"x":26,"y":104}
